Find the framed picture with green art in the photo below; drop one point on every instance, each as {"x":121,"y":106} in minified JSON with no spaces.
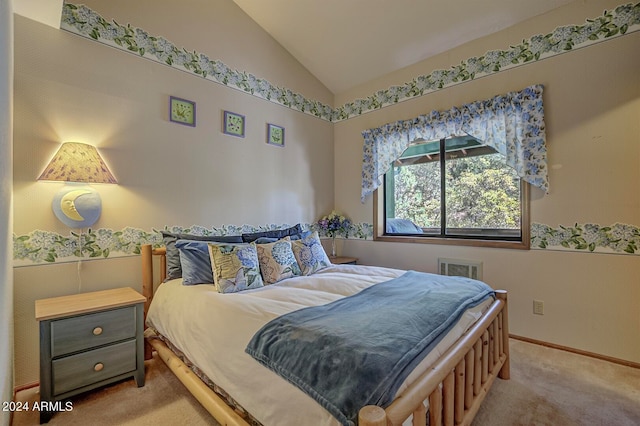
{"x":275,"y":134}
{"x":182,"y":111}
{"x":233,"y":124}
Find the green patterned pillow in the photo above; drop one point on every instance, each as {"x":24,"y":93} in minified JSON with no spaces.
{"x":235,"y":267}
{"x":277,"y":261}
{"x":310,"y":254}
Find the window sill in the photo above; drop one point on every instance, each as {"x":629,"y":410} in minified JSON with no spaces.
{"x":519,"y":245}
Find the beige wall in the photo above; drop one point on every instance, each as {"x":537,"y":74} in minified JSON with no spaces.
{"x":68,"y":88}
{"x":592,"y":113}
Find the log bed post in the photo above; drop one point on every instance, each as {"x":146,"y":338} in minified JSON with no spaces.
{"x":147,"y":289}
{"x":372,"y":415}
{"x":147,"y":275}
{"x":505,"y":371}
{"x":147,"y":252}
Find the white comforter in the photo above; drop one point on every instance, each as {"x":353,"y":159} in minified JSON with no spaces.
{"x":213,"y":329}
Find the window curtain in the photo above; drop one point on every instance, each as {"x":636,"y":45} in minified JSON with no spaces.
{"x":512,"y":124}
{"x":6,"y":208}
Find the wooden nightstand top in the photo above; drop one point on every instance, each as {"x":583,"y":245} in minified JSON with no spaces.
{"x":86,"y":302}
{"x":342,"y":260}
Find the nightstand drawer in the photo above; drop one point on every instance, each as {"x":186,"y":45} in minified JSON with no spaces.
{"x":91,"y":330}
{"x":90,"y":367}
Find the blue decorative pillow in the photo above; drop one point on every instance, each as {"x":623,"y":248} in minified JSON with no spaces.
{"x":265,"y":240}
{"x":235,"y":267}
{"x":402,"y":226}
{"x":301,"y":235}
{"x":276,"y":233}
{"x":310,"y":254}
{"x":174,"y":268}
{"x":195,"y":261}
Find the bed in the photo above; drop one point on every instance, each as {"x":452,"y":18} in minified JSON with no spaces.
{"x":446,"y":387}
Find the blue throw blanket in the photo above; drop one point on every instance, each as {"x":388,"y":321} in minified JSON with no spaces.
{"x":358,"y":350}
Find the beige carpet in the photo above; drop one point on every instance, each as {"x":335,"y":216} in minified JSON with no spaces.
{"x":558,"y":388}
{"x":163,"y":400}
{"x":547,"y":387}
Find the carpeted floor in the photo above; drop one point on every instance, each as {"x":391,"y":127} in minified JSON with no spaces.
{"x":163,"y":400}
{"x":556,"y":388}
{"x":547,"y":387}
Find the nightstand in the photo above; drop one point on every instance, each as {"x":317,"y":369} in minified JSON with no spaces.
{"x":89,"y":340}
{"x":343,"y":260}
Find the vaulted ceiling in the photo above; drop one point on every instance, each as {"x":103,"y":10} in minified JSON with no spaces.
{"x":345,"y":43}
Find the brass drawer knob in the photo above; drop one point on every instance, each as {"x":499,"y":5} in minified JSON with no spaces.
{"x":98,"y":367}
{"x":97,"y":331}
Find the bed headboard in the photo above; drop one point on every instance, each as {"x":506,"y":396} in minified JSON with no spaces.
{"x":148,"y":252}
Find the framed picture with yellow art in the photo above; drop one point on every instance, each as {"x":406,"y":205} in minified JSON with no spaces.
{"x":182,"y":111}
{"x":275,"y":134}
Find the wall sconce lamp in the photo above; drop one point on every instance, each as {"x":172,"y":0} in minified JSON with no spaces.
{"x":77,"y":205}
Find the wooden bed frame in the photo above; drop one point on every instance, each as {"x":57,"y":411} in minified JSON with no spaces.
{"x":455,"y":384}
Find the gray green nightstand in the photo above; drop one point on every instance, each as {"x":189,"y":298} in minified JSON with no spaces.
{"x":88,"y":340}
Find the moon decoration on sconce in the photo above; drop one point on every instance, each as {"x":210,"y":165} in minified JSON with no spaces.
{"x":77,"y":205}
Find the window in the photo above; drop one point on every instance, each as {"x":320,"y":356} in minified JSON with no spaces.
{"x":455,"y":191}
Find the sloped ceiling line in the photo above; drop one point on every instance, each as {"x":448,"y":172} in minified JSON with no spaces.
{"x":83,"y":21}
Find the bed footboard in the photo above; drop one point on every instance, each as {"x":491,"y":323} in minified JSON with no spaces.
{"x":458,"y":382}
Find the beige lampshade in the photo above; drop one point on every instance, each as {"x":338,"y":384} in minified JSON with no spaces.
{"x":77,"y":162}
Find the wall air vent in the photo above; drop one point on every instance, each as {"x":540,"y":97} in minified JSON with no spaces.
{"x":460,"y":267}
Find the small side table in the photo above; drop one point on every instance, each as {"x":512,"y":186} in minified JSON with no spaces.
{"x":343,"y":260}
{"x":89,"y":340}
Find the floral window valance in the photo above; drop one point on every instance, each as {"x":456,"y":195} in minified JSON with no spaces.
{"x":512,"y":124}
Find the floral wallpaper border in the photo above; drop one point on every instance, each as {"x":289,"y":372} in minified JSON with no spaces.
{"x":618,"y":238}
{"x":45,"y":247}
{"x":81,"y":20}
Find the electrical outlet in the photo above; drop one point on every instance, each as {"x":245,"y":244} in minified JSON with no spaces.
{"x":538,"y":307}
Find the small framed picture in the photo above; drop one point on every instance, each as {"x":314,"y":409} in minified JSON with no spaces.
{"x":233,"y":124}
{"x":182,"y":111}
{"x":275,"y":134}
